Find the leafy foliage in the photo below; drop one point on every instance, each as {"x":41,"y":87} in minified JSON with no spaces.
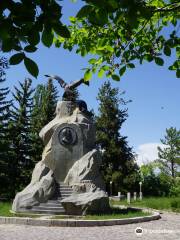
{"x":118,"y":160}
{"x":116,"y":32}
{"x":31,"y":66}
{"x":26,"y":23}
{"x":120,"y":33}
{"x":161,"y":177}
{"x":175,"y":188}
{"x":155,"y":182}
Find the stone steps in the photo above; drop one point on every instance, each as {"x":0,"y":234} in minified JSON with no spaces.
{"x":65,"y":190}
{"x":49,"y":212}
{"x":63,"y":195}
{"x":57,"y":201}
{"x":50,"y":207}
{"x":54,"y":206}
{"x":48,"y":204}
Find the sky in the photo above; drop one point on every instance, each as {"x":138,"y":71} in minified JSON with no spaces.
{"x":154,"y":91}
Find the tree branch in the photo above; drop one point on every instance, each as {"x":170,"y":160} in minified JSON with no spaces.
{"x":168,"y":8}
{"x":144,"y":25}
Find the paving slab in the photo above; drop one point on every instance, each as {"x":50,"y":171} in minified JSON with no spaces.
{"x":167,"y":228}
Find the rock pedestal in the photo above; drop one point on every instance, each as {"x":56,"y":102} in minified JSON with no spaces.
{"x":69,"y":163}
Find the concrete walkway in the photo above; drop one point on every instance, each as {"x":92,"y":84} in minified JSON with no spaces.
{"x":168,"y":227}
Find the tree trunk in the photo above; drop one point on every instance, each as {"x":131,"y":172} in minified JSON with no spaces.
{"x":172,"y":168}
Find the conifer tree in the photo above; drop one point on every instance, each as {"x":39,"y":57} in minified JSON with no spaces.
{"x":76,"y":94}
{"x":21,"y":165}
{"x":118,"y":159}
{"x":4,"y":131}
{"x":50,"y":101}
{"x":169,"y":156}
{"x":45,"y":100}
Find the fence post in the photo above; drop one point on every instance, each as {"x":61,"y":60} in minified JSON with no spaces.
{"x":140,"y":195}
{"x":119,"y":195}
{"x":128,"y":197}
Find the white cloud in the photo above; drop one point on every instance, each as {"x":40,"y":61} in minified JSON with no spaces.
{"x":147,"y":152}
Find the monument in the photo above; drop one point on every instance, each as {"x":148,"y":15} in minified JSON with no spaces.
{"x":67,"y":179}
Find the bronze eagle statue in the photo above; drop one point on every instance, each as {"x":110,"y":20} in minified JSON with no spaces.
{"x":68,"y":88}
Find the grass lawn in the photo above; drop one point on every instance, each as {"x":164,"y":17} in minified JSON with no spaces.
{"x":115,"y":214}
{"x":4,"y":209}
{"x":160,"y":203}
{"x":120,"y":215}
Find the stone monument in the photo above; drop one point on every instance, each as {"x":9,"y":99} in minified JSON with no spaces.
{"x":67,"y":179}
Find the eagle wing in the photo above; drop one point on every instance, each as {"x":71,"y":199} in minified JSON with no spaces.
{"x":62,"y":83}
{"x":75,"y":84}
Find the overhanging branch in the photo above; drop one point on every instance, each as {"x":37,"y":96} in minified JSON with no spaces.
{"x":168,"y":8}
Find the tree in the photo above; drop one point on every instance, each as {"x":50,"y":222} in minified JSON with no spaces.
{"x":169,"y":157}
{"x":118,"y":159}
{"x":51,"y":100}
{"x":21,"y":145}
{"x":116,"y":32}
{"x":45,"y":99}
{"x":155,"y":182}
{"x":74,"y":95}
{"x":175,"y":188}
{"x":26,"y":23}
{"x":4,"y":131}
{"x":37,"y":121}
{"x":120,"y":33}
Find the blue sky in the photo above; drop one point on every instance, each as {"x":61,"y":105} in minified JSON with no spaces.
{"x":154,"y":90}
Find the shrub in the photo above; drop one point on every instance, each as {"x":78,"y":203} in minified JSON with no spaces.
{"x":175,"y":188}
{"x":175,"y":204}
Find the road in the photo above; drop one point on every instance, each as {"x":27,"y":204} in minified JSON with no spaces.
{"x":167,"y":228}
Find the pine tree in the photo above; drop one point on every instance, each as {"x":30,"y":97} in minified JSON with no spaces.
{"x":50,"y":101}
{"x":37,"y":122}
{"x":45,"y":100}
{"x":169,"y":157}
{"x":4,"y":131}
{"x":21,"y":165}
{"x":74,"y":95}
{"x":118,"y":159}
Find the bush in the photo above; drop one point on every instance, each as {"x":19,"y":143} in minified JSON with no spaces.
{"x":156,"y":185}
{"x":175,"y":188}
{"x":175,"y":204}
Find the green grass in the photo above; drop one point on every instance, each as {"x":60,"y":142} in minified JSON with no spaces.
{"x":159,"y":203}
{"x":4,"y":209}
{"x":114,"y":214}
